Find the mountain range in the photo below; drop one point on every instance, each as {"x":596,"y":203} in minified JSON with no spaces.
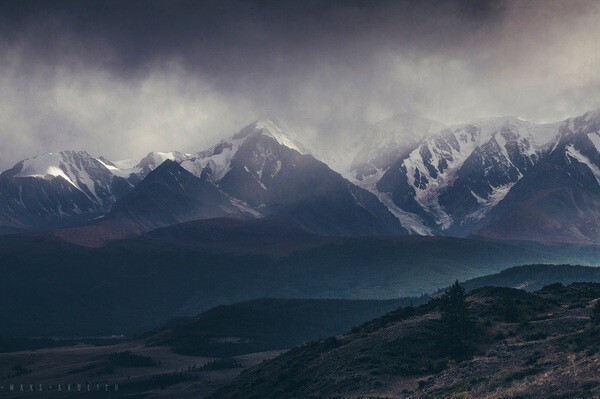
{"x":496,"y":178}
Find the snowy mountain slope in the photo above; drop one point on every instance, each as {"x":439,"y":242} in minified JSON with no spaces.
{"x":434,"y":185}
{"x":29,"y":204}
{"x":68,"y":187}
{"x":389,"y":140}
{"x":560,"y":199}
{"x":56,"y":188}
{"x":213,"y":164}
{"x":410,"y":221}
{"x":455,"y":177}
{"x":78,"y":168}
{"x":154,"y":159}
{"x":266,"y":169}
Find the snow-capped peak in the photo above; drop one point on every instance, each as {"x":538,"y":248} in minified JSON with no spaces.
{"x":269,"y":128}
{"x":587,"y":123}
{"x":88,"y":174}
{"x":592,"y":115}
{"x":50,"y":165}
{"x":215,"y":162}
{"x":539,"y":134}
{"x":156,"y":158}
{"x":498,"y":148}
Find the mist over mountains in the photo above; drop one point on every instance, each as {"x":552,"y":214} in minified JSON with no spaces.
{"x":410,"y":175}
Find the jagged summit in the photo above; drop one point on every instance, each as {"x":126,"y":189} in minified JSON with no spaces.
{"x":52,"y":164}
{"x":155,"y":158}
{"x":86,"y":173}
{"x":593,"y":115}
{"x":215,"y":162}
{"x":275,"y":129}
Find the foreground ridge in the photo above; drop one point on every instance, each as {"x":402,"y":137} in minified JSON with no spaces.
{"x":542,"y":344}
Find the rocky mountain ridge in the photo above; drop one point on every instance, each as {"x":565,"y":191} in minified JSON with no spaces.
{"x":412,"y":176}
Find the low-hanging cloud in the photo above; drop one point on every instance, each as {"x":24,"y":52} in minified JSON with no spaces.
{"x":123,"y":78}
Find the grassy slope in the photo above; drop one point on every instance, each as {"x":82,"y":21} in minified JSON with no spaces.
{"x":550,"y":350}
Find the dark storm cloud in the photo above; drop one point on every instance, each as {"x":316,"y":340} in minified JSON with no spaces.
{"x":126,"y":77}
{"x":228,"y":39}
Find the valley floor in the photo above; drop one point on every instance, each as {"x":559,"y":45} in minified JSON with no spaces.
{"x":173,"y":376}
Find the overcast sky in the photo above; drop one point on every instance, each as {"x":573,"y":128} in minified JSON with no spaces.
{"x":122,"y":78}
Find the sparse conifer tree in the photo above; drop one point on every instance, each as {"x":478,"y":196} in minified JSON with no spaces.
{"x":458,"y":327}
{"x":596,"y":312}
